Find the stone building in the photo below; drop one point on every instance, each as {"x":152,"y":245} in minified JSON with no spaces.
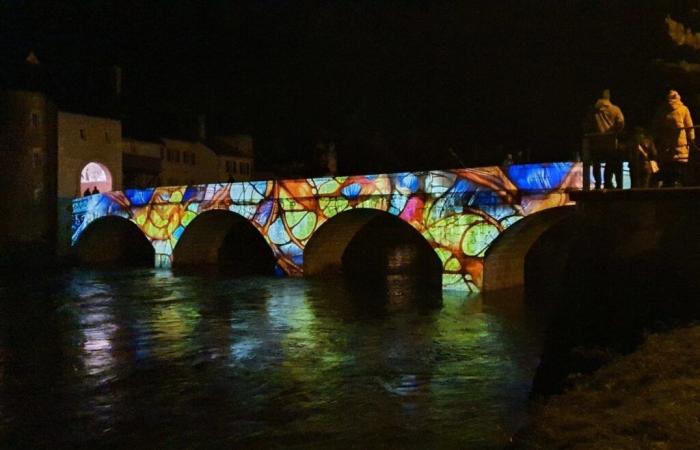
{"x":172,"y":162}
{"x":89,"y":160}
{"x":51,"y":157}
{"x":27,"y":177}
{"x":235,"y":156}
{"x":142,"y":162}
{"x":83,"y":140}
{"x":188,"y":162}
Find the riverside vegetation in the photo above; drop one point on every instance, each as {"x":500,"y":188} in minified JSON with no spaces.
{"x":649,"y":399}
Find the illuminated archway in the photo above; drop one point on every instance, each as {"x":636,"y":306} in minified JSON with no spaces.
{"x":225,"y":240}
{"x":504,"y":263}
{"x":95,"y":175}
{"x":371,"y":245}
{"x":114,"y":240}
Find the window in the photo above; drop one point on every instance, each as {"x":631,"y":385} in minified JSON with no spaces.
{"x":37,"y":158}
{"x":230,"y":166}
{"x":107,"y":136}
{"x":35,"y":120}
{"x":188,"y":158}
{"x":174,"y":155}
{"x":83,"y":135}
{"x":162,"y":153}
{"x":193,"y":160}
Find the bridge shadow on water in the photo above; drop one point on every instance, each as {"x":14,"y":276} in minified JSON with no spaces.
{"x":143,"y":358}
{"x":380,"y":296}
{"x":365,"y":296}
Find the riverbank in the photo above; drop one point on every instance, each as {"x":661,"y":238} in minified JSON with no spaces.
{"x":648,"y":399}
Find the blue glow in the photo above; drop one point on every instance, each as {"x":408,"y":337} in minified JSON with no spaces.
{"x":139,"y":197}
{"x":352,"y":191}
{"x":540,"y":177}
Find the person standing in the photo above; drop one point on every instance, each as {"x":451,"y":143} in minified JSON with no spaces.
{"x":673,"y":127}
{"x":642,"y":159}
{"x":601,"y":127}
{"x":508,"y":161}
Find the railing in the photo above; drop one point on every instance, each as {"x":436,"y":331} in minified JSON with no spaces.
{"x":586,"y":151}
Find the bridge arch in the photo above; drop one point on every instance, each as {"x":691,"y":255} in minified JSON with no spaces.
{"x":505,"y":259}
{"x":371,"y":244}
{"x":223,"y":239}
{"x":113,"y":240}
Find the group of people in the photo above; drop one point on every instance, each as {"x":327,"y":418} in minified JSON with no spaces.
{"x":89,"y":192}
{"x":663,"y":158}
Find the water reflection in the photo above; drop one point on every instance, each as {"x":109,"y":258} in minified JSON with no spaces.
{"x":147,"y":359}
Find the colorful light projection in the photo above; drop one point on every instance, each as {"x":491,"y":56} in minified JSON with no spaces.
{"x":459,"y":212}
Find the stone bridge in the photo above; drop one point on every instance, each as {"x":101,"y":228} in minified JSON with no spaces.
{"x":439,"y":222}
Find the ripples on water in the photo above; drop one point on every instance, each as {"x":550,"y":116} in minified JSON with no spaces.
{"x":145,"y":359}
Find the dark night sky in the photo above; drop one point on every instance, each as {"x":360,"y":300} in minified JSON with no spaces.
{"x":394,"y":83}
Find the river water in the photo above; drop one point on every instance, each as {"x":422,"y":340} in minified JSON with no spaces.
{"x":146,"y":359}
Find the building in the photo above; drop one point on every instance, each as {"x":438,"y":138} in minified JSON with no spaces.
{"x":89,"y":161}
{"x":188,"y":162}
{"x":142,"y":162}
{"x":27,"y":177}
{"x":51,"y":157}
{"x":89,"y":154}
{"x":236,"y":156}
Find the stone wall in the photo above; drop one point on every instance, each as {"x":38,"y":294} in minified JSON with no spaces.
{"x":27,"y":177}
{"x":632,"y":267}
{"x":83,"y":139}
{"x":504,"y":263}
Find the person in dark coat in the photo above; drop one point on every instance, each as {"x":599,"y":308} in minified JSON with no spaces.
{"x":641,"y":154}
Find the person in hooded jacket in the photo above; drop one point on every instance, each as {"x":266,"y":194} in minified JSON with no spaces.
{"x":601,"y":127}
{"x":674,"y":136}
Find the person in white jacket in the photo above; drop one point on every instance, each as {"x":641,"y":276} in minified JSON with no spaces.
{"x":602,"y":125}
{"x":673,"y":129}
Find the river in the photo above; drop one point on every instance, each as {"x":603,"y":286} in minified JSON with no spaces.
{"x":142,"y":358}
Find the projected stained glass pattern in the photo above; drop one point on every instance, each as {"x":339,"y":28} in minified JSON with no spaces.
{"x":459,"y":212}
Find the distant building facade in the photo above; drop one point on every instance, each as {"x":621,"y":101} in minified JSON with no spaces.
{"x":93,"y":154}
{"x":83,"y":140}
{"x":89,"y":160}
{"x":236,"y":157}
{"x":27,"y":177}
{"x":49,"y":157}
{"x":142,"y":162}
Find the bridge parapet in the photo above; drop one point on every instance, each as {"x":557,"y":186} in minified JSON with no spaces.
{"x":459,"y":212}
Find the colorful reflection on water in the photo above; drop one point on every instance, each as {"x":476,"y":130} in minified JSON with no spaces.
{"x":144,"y":359}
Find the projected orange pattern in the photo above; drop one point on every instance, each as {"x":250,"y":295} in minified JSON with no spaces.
{"x":459,"y":212}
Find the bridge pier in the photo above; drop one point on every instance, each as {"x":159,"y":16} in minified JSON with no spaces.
{"x":632,"y":266}
{"x":504,"y":262}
